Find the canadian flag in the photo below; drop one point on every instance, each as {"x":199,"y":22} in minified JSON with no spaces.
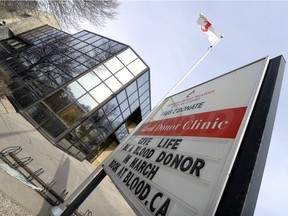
{"x":207,"y":28}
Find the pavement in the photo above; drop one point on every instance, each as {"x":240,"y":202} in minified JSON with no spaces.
{"x":68,"y":173}
{"x":9,"y":208}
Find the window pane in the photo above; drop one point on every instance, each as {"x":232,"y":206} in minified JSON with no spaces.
{"x":134,"y":106}
{"x":92,"y":138}
{"x":75,"y":54}
{"x":124,"y":105}
{"x":144,"y":96}
{"x":103,"y":56}
{"x":93,"y":39}
{"x":114,"y":65}
{"x":71,"y":114}
{"x":127,"y":56}
{"x":133,"y":97}
{"x":78,"y":70}
{"x":117,"y":48}
{"x":90,"y":63}
{"x":126,"y":113}
{"x":54,"y":127}
{"x":39,"y":113}
{"x":85,"y":37}
{"x":108,"y":107}
{"x":75,"y":41}
{"x":145,"y":103}
{"x":21,"y":92}
{"x":108,"y":46}
{"x":81,"y":156}
{"x":65,"y":144}
{"x":83,"y":58}
{"x":117,"y":121}
{"x":70,"y":65}
{"x":96,"y":116}
{"x":121,"y":133}
{"x":26,"y":100}
{"x":73,"y":150}
{"x":95,"y":53}
{"x":101,"y":92}
{"x":71,"y":137}
{"x":131,"y":88}
{"x":136,"y":67}
{"x":102,"y":72}
{"x":145,"y":111}
{"x":59,"y":77}
{"x":120,"y":129}
{"x":89,"y":81}
{"x":104,"y":126}
{"x":100,"y":42}
{"x":87,"y":103}
{"x":113,"y":84}
{"x":143,"y":88}
{"x":80,"y":34}
{"x":114,"y":114}
{"x":58,"y":101}
{"x":141,"y":80}
{"x":124,"y":76}
{"x":19,"y":46}
{"x":82,"y":129}
{"x":86,"y":48}
{"x":121,"y":96}
{"x":16,"y":84}
{"x":79,"y":45}
{"x":75,"y":90}
{"x":82,"y":146}
{"x":42,"y":84}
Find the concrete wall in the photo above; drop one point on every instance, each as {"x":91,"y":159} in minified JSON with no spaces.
{"x":12,"y":23}
{"x":6,"y":106}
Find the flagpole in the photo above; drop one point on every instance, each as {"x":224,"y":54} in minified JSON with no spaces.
{"x":191,"y":69}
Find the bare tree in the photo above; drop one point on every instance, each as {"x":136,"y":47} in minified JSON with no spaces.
{"x":68,"y":12}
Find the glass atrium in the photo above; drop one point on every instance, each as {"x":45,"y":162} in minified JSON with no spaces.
{"x":81,"y":91}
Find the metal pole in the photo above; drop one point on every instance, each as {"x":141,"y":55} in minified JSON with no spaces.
{"x":57,"y":210}
{"x":187,"y":74}
{"x":84,"y":194}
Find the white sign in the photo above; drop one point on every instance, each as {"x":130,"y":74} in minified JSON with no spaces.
{"x":178,"y":161}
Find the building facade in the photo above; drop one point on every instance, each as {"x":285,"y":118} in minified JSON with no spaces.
{"x":83,"y":92}
{"x":14,"y":23}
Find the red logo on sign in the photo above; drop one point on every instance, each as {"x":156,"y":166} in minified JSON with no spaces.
{"x":189,"y":95}
{"x":205,"y":26}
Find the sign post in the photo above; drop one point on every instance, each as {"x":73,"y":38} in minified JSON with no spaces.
{"x":179,"y":160}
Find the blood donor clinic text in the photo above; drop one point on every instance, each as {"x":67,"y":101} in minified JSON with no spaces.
{"x":221,"y":123}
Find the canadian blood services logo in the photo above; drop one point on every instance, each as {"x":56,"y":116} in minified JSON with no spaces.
{"x":190,"y":94}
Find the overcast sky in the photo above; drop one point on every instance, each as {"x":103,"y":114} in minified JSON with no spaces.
{"x":165,"y":34}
